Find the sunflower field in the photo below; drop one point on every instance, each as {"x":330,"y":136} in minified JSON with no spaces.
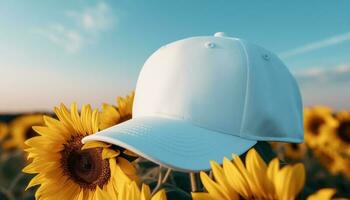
{"x":42,"y":157}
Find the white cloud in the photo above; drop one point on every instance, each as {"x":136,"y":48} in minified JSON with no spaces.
{"x":89,"y":24}
{"x":70,"y":40}
{"x":337,"y":39}
{"x":338,"y":73}
{"x":343,"y":68}
{"x":93,"y":19}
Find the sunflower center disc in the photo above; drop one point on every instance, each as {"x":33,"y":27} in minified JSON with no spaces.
{"x":315,"y":125}
{"x":344,"y":131}
{"x":85,"y":167}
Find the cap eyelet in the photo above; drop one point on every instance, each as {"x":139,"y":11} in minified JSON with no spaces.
{"x":210,"y":45}
{"x":266,"y":56}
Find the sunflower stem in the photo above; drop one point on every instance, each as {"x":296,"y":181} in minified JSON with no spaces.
{"x":15,"y":181}
{"x":194,"y":182}
{"x":7,"y":193}
{"x":166,"y":176}
{"x":161,"y":179}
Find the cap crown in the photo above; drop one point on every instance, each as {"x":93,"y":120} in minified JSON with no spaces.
{"x":223,"y":84}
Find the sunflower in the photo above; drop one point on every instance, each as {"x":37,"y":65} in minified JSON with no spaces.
{"x":335,"y":162}
{"x":325,"y":194}
{"x":317,"y":121}
{"x":131,"y":191}
{"x":330,"y":159}
{"x":3,"y":130}
{"x":341,"y":133}
{"x":345,"y":170}
{"x":21,"y":130}
{"x":289,"y":150}
{"x":66,"y":171}
{"x":112,"y":115}
{"x":255,"y":180}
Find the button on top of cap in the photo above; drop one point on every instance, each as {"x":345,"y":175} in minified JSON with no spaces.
{"x":210,"y":45}
{"x":220,"y":34}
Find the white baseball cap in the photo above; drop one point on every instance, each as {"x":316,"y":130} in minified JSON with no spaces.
{"x":203,"y":98}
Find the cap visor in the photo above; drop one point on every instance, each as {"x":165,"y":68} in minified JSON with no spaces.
{"x":173,"y":143}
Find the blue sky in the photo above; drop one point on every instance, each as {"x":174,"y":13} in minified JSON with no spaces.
{"x":92,"y":51}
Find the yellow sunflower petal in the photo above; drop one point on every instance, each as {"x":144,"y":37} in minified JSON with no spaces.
{"x":134,"y":191}
{"x":201,"y":196}
{"x":257,"y":169}
{"x":220,"y":178}
{"x":109,"y":189}
{"x":85,"y":118}
{"x":120,"y":178}
{"x":76,"y":119}
{"x":110,"y":111}
{"x":95,"y":118}
{"x":95,"y":144}
{"x":126,"y":166}
{"x":109,"y":116}
{"x":273,"y":169}
{"x":325,"y":194}
{"x":130,"y":153}
{"x":213,"y":188}
{"x":121,"y":106}
{"x":36,"y":180}
{"x":109,"y":153}
{"x":236,"y":179}
{"x":247,"y":177}
{"x":282,"y":183}
{"x":54,"y":124}
{"x":100,"y":194}
{"x":160,"y":195}
{"x":68,"y":192}
{"x":34,"y":168}
{"x":81,"y":195}
{"x":64,"y":117}
{"x":145,"y":192}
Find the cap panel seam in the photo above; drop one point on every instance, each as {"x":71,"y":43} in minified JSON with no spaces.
{"x":272,"y":139}
{"x":246,"y":89}
{"x":191,"y":121}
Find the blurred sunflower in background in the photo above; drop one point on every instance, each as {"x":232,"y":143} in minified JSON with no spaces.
{"x":254,"y":180}
{"x":291,"y":151}
{"x":341,"y":133}
{"x":3,"y":130}
{"x":335,"y":161}
{"x":333,"y":150}
{"x":329,"y":159}
{"x":66,"y":170}
{"x":345,"y":166}
{"x":317,"y":120}
{"x":112,"y":115}
{"x":21,"y":130}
